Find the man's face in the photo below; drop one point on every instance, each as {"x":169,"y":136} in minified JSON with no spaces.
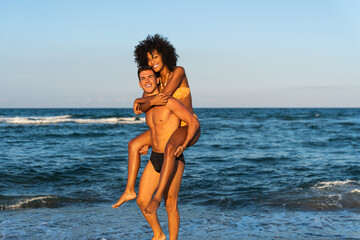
{"x":148,"y":81}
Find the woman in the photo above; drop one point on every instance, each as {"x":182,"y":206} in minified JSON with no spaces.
{"x":157,"y":53}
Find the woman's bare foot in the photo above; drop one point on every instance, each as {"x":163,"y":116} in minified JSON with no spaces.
{"x":160,"y":237}
{"x":152,"y":207}
{"x":126,"y":196}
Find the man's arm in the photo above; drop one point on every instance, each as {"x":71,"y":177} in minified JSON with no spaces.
{"x":185,"y":115}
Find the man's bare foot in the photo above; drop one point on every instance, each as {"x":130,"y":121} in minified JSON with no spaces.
{"x":160,"y":237}
{"x":152,"y":207}
{"x":126,"y":196}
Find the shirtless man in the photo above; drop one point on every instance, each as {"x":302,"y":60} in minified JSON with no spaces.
{"x":163,"y":121}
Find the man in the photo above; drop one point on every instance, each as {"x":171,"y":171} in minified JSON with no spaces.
{"x":163,"y":121}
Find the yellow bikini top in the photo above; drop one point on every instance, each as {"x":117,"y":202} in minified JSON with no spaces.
{"x":180,"y":93}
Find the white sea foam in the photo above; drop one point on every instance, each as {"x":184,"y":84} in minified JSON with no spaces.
{"x":355,"y":191}
{"x":331,"y":184}
{"x":338,"y":194}
{"x":68,"y":118}
{"x":31,"y":201}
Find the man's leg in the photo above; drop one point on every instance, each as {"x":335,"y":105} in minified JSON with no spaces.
{"x":171,"y":197}
{"x":167,"y":170}
{"x":148,"y":182}
{"x":134,"y":147}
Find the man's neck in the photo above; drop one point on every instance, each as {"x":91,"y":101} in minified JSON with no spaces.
{"x":153,"y":93}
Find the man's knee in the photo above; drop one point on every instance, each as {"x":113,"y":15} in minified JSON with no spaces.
{"x":142,"y":204}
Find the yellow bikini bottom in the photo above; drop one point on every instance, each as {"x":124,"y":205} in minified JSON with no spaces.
{"x":181,"y":93}
{"x":183,"y":124}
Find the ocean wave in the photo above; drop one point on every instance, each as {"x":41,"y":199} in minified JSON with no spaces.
{"x":69,"y":119}
{"x":266,"y":159}
{"x":296,"y":117}
{"x":331,"y":195}
{"x":332,"y":185}
{"x":321,"y":196}
{"x":33,"y":202}
{"x":338,"y":194}
{"x":41,"y":201}
{"x":33,"y":176}
{"x":357,"y":191}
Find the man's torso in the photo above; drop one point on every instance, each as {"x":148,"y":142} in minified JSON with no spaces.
{"x":162,"y":123}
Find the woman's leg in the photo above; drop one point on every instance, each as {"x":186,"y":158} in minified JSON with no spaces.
{"x":167,"y":169}
{"x":171,"y":196}
{"x":134,"y":147}
{"x":148,"y":182}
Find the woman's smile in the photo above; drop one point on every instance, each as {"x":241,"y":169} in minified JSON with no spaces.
{"x":155,"y":60}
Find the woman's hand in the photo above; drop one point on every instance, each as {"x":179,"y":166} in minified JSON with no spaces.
{"x":159,"y":99}
{"x":144,"y":150}
{"x":136,"y":109}
{"x":179,"y":151}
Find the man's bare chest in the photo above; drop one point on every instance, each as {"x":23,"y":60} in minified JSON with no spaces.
{"x":158,"y":116}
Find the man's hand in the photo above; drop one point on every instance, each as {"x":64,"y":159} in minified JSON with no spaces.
{"x":179,"y":151}
{"x":144,"y":150}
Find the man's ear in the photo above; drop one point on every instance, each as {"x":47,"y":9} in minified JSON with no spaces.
{"x":158,"y":81}
{"x":140,"y":85}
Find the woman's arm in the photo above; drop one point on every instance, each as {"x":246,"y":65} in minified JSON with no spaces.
{"x":143,"y":104}
{"x":137,"y":103}
{"x":175,"y":81}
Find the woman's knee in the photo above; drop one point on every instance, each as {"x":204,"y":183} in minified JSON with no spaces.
{"x":171,"y":204}
{"x":134,"y":145}
{"x":170,"y":148}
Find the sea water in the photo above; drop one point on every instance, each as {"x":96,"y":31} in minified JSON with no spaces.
{"x":254,"y":174}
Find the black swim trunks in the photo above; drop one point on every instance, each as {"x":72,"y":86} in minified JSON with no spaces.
{"x":157,"y":160}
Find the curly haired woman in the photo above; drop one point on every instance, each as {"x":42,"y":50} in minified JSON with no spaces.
{"x":159,"y":54}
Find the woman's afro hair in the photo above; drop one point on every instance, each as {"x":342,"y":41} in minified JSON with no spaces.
{"x":161,"y":45}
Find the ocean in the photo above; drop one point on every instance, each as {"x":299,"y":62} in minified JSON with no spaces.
{"x":254,"y":174}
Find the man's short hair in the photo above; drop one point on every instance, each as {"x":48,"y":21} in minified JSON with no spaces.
{"x":144,"y":69}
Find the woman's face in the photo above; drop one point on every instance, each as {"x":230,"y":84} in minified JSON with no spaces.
{"x":155,"y":61}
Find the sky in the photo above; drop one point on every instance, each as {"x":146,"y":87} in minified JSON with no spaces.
{"x":260,"y":53}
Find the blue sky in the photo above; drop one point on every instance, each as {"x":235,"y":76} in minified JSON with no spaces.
{"x":278,"y":53}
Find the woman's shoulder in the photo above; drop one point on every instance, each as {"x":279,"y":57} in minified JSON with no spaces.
{"x":179,"y":69}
